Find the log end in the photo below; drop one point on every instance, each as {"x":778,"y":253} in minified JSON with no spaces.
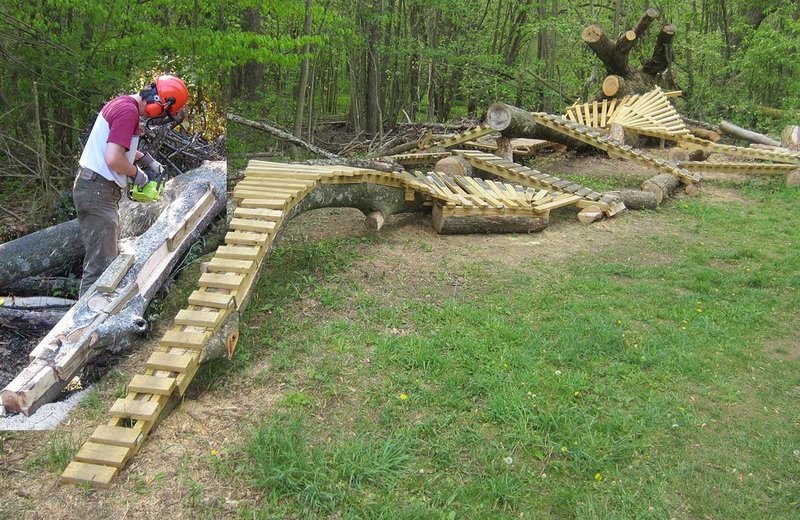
{"x":678,"y":155}
{"x":652,"y":13}
{"x":231,"y":341}
{"x":592,"y":33}
{"x":590,"y":214}
{"x":498,"y":116}
{"x":453,"y":166}
{"x":793,"y":178}
{"x":612,"y":85}
{"x":669,"y":29}
{"x":374,"y":221}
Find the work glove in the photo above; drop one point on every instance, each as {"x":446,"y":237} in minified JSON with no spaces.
{"x":141,"y":178}
{"x":151,"y":165}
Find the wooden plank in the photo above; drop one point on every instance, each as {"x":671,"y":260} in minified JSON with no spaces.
{"x":117,"y":436}
{"x":259,"y":226}
{"x":247,"y":238}
{"x":208,"y":319}
{"x":238,"y":252}
{"x":133,"y":409}
{"x":259,"y":213}
{"x":113,"y":274}
{"x":184,"y":339}
{"x":220,"y":281}
{"x":229,"y":265}
{"x":95,"y":474}
{"x":143,"y":384}
{"x":106,"y":454}
{"x":211,"y":299}
{"x":170,"y":362}
{"x":192,"y":217}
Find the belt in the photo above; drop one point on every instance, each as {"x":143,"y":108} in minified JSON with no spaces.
{"x":90,"y":175}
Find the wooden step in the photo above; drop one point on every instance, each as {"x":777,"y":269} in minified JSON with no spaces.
{"x":220,"y":280}
{"x":209,"y":319}
{"x":259,"y":226}
{"x":117,"y":436}
{"x":95,"y":474}
{"x":247,"y":238}
{"x":227,"y":265}
{"x":106,"y":454}
{"x":190,"y":340}
{"x":133,"y":409}
{"x":259,"y":213}
{"x":247,"y":252}
{"x":209,"y":299}
{"x":142,"y":384}
{"x":171,"y":362}
{"x":264,"y":203}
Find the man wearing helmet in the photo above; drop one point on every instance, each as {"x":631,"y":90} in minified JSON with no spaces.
{"x":110,"y":160}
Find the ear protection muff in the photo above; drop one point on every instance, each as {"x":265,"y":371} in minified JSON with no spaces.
{"x":154,"y":105}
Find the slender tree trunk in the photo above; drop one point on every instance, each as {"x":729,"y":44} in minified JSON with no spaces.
{"x":300,"y":99}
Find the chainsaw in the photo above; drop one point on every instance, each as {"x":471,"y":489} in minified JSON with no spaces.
{"x":152,"y":190}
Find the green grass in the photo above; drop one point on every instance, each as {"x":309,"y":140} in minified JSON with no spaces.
{"x":56,"y":454}
{"x":631,"y":383}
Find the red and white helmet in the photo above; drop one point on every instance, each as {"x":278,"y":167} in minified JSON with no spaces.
{"x":167,"y":95}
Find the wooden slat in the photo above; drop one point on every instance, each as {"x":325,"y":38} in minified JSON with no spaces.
{"x":133,"y":409}
{"x":220,"y":281}
{"x":259,"y":226}
{"x":227,"y":265}
{"x":170,"y":362}
{"x":190,"y":340}
{"x":208,"y":319}
{"x":117,"y":436}
{"x":210,"y":299}
{"x":238,"y":252}
{"x":259,"y":213}
{"x":106,"y":454}
{"x":95,"y":474}
{"x":145,"y":384}
{"x":114,"y":273}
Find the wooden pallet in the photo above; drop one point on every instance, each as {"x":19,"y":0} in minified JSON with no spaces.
{"x":650,"y":111}
{"x":599,"y":139}
{"x":419,"y":158}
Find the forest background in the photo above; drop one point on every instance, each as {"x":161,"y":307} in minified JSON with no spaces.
{"x":371,"y":63}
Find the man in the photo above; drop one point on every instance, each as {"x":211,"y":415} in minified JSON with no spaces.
{"x":110,"y":161}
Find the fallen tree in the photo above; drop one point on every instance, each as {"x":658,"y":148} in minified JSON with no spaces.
{"x":108,"y":321}
{"x":511,"y":121}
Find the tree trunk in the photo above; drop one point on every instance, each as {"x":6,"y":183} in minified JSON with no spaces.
{"x":458,"y":225}
{"x":110,"y":321}
{"x":453,"y":166}
{"x":662,"y":186}
{"x":516,"y":122}
{"x":300,"y":99}
{"x":747,"y":135}
{"x":29,"y":320}
{"x":38,"y":286}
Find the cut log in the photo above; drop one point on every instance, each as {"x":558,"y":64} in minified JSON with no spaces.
{"x":648,"y":17}
{"x":516,"y":122}
{"x":677,"y":154}
{"x":460,"y":225}
{"x":590,"y":214}
{"x":698,"y":155}
{"x":614,"y":86}
{"x":29,"y":319}
{"x":453,"y":166}
{"x":625,"y":42}
{"x":622,"y":135}
{"x":36,"y":302}
{"x":703,"y":133}
{"x":374,"y":221}
{"x":43,"y":286}
{"x":504,"y":149}
{"x":662,"y":54}
{"x":636,"y":199}
{"x":101,"y":322}
{"x":790,"y":137}
{"x":662,"y":186}
{"x":793,"y":178}
{"x":59,"y":248}
{"x":748,"y":135}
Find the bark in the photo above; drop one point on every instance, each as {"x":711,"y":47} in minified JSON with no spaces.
{"x":790,"y":137}
{"x":662,"y":186}
{"x":29,"y":319}
{"x":662,"y":54}
{"x":36,"y":286}
{"x":793,"y":178}
{"x":703,"y":133}
{"x":300,"y":99}
{"x":504,"y":148}
{"x":636,"y":199}
{"x":516,"y":122}
{"x":281,"y":134}
{"x":369,"y":164}
{"x":110,"y":322}
{"x":36,"y":302}
{"x":747,"y":135}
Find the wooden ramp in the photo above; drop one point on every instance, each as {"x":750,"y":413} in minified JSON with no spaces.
{"x":463,"y":137}
{"x":585,"y":197}
{"x":651,"y":111}
{"x":266,"y":195}
{"x":599,"y":139}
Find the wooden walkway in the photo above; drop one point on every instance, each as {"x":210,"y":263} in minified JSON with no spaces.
{"x":265,"y":197}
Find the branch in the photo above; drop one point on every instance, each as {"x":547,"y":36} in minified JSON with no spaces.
{"x":281,"y":134}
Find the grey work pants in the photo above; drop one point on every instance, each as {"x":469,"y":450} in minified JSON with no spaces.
{"x":97,"y":203}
